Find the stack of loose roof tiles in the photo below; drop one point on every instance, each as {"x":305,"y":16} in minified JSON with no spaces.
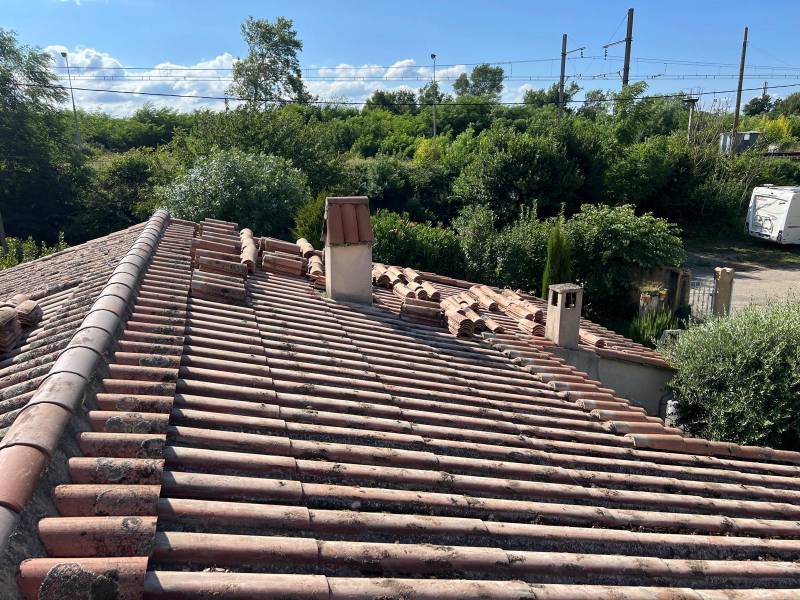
{"x":283,"y":257}
{"x":221,"y":262}
{"x":404,"y":282}
{"x":296,"y":447}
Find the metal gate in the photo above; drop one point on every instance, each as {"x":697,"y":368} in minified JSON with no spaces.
{"x":701,"y":298}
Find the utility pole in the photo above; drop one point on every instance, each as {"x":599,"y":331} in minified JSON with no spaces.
{"x":739,"y":93}
{"x":764,"y":91}
{"x":435,"y":89}
{"x":626,"y":69}
{"x":562,"y":79}
{"x":72,"y":94}
{"x":691,"y":101}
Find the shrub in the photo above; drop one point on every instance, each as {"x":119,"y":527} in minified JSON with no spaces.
{"x":557,"y":269}
{"x":399,"y":241}
{"x":20,"y":251}
{"x":737,"y":377}
{"x":308,"y":220}
{"x":521,"y":251}
{"x":477,"y":240}
{"x":647,"y":328}
{"x":261,"y":190}
{"x":610,"y":246}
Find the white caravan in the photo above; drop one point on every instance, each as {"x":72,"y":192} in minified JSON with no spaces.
{"x":774,"y":214}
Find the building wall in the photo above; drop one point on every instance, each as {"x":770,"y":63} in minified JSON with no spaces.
{"x":645,"y":385}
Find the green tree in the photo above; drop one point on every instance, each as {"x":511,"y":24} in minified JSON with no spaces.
{"x":40,"y":167}
{"x":259,"y":190}
{"x":558,"y":267}
{"x":484,"y":81}
{"x":400,"y":102}
{"x":788,"y":106}
{"x":271,"y":71}
{"x":611,"y":247}
{"x":758,"y":105}
{"x":542,"y":97}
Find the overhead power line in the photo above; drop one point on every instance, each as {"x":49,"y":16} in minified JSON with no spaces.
{"x":354,"y":103}
{"x":654,"y":60}
{"x":521,"y":78}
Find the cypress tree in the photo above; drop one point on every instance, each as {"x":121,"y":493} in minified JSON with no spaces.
{"x":557,"y":269}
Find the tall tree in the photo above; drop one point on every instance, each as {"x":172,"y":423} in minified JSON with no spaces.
{"x":788,"y":106}
{"x":557,"y":269}
{"x":37,"y":160}
{"x":270,"y":74}
{"x":485,"y":80}
{"x":758,"y":105}
{"x":400,"y":101}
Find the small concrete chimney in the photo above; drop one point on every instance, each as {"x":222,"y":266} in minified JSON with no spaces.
{"x":348,"y":241}
{"x":564,"y":314}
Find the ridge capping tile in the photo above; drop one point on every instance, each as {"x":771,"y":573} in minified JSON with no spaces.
{"x":41,"y":423}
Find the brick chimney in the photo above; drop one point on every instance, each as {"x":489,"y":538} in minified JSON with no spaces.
{"x":564,"y":314}
{"x":348,"y":241}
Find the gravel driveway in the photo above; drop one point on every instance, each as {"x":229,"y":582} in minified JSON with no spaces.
{"x":764,"y":272}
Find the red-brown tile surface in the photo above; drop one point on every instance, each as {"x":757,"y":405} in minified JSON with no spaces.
{"x":279,"y":444}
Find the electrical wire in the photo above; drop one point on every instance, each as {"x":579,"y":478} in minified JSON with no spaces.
{"x":354,"y":103}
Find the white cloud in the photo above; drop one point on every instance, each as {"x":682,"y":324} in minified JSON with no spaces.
{"x":98,"y":70}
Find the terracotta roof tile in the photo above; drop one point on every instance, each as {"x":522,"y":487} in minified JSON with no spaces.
{"x":263,"y":440}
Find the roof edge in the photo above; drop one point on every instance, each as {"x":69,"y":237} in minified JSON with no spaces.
{"x":28,"y":446}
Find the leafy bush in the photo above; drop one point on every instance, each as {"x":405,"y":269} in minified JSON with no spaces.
{"x":558,"y":267}
{"x":260,"y":190}
{"x":308,"y":220}
{"x":478,"y":241}
{"x":21,"y":251}
{"x":399,"y":241}
{"x":610,"y":246}
{"x":737,"y":377}
{"x":647,"y":328}
{"x":121,"y":192}
{"x":521,"y":252}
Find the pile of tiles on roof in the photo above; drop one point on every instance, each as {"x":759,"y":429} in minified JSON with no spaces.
{"x":405,"y":283}
{"x":16,"y":313}
{"x":423,"y":312}
{"x":316,"y":264}
{"x":283,"y":257}
{"x":466,"y":304}
{"x":220,"y":263}
{"x":29,"y":313}
{"x":10,"y":329}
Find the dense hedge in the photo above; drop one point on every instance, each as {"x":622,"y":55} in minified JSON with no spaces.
{"x":738,"y":378}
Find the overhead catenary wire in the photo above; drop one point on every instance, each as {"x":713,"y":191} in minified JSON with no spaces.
{"x":346,"y":67}
{"x":359,"y":103}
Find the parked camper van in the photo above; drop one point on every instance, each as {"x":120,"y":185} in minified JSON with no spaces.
{"x":774,"y":214}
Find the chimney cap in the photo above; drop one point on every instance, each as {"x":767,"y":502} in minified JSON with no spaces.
{"x":565,"y":287}
{"x":347,"y":221}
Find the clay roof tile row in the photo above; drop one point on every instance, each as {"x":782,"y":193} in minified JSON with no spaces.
{"x":281,"y":444}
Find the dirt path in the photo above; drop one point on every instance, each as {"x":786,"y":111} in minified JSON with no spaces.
{"x":764,"y":272}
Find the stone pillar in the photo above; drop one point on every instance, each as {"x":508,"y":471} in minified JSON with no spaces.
{"x":564,"y":314}
{"x":723,"y":291}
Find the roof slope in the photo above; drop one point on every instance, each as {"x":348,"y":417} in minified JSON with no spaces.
{"x":253,"y":439}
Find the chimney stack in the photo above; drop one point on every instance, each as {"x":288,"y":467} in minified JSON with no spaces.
{"x":564,"y":314}
{"x":348,"y":241}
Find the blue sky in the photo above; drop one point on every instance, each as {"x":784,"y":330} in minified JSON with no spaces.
{"x":344,"y":34}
